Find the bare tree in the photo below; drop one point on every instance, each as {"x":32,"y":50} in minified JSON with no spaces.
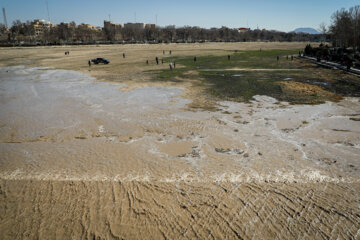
{"x":323,"y":28}
{"x":345,"y":27}
{"x":354,"y":13}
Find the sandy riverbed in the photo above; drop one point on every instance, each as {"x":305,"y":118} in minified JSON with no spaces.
{"x":90,"y":159}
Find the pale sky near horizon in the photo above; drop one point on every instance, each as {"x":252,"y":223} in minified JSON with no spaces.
{"x":282,"y":15}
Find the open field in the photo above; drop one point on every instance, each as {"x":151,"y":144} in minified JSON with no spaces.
{"x":248,"y":73}
{"x":246,"y":148}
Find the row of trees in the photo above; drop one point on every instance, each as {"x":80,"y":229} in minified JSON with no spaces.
{"x":192,"y":34}
{"x":345,"y":27}
{"x":344,"y":31}
{"x":70,"y":33}
{"x":62,"y":33}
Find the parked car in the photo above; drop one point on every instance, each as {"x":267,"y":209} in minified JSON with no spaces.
{"x":100,"y":60}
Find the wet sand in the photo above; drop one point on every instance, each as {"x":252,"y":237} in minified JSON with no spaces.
{"x":89,"y":159}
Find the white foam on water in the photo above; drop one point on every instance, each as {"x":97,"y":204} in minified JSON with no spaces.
{"x":304,"y":176}
{"x":101,"y":129}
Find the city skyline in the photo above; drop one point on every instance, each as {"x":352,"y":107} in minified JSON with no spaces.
{"x":278,"y":15}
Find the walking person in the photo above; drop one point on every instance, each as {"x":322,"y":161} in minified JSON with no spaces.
{"x":123,"y":55}
{"x":174,"y":64}
{"x":170,"y":52}
{"x":162,"y":61}
{"x":348,"y":64}
{"x":228,"y":57}
{"x":89,"y":62}
{"x":157,"y":60}
{"x":195,"y":59}
{"x":277,"y":58}
{"x":147,"y":61}
{"x":170,"y":65}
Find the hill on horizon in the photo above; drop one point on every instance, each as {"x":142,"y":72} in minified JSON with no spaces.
{"x":306,"y":30}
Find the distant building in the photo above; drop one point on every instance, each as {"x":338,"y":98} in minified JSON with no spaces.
{"x":66,"y":25}
{"x":41,"y":25}
{"x":135,"y":26}
{"x":110,"y":26}
{"x":84,"y":26}
{"x":242,"y":30}
{"x":112,"y":30}
{"x":150,"y":26}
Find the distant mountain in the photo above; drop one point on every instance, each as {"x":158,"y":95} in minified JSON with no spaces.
{"x":306,"y":30}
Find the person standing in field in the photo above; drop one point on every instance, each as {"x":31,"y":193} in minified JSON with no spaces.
{"x":229,"y":57}
{"x":277,"y":58}
{"x":348,"y":63}
{"x":157,"y":60}
{"x":195,"y":59}
{"x":123,"y":55}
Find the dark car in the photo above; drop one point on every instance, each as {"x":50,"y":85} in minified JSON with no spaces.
{"x":100,"y":60}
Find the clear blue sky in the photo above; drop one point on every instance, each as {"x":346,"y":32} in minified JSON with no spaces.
{"x":283,"y":15}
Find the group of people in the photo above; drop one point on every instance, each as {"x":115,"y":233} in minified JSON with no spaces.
{"x":172,"y":65}
{"x":157,"y":60}
{"x":287,"y":57}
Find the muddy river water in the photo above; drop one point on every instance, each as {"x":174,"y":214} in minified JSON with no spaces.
{"x":65,"y":126}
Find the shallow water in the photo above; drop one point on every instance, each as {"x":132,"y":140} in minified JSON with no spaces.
{"x":67,"y":125}
{"x":38,"y":102}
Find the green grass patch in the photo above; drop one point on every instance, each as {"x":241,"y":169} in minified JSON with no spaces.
{"x":248,"y":59}
{"x":239,"y":86}
{"x":219,"y":76}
